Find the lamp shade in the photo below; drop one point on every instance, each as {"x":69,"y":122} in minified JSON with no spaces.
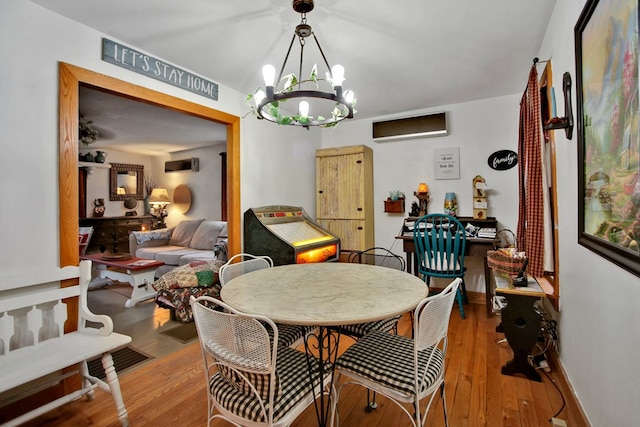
{"x":159,"y":196}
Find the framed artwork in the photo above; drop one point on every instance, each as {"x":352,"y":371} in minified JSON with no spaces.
{"x":446,"y":163}
{"x":606,"y":45}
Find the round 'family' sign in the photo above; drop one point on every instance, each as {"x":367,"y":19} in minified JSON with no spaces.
{"x":503,"y":160}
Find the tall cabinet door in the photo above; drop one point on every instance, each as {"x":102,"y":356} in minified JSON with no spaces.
{"x":344,"y":197}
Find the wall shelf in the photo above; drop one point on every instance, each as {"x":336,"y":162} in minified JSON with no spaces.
{"x":394,"y":206}
{"x":92,"y":165}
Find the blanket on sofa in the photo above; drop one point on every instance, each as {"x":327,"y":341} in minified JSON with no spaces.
{"x":197,"y":278}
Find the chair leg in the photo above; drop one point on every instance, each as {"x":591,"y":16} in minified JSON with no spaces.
{"x":444,"y":404}
{"x":371,"y":404}
{"x":460,"y":303}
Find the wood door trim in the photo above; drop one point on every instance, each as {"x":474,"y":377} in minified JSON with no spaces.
{"x":70,"y":78}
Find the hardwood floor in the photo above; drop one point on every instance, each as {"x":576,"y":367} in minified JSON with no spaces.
{"x":169,"y":390}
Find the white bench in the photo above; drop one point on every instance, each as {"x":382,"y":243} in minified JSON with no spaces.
{"x":34,"y":349}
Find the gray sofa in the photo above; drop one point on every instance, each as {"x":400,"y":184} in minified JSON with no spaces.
{"x":190,"y":240}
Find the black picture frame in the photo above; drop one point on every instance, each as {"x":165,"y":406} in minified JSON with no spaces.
{"x":606,"y":54}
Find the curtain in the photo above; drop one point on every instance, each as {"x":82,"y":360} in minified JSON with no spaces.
{"x":533,"y":232}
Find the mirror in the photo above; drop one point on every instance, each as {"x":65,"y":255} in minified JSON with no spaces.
{"x":126,"y":181}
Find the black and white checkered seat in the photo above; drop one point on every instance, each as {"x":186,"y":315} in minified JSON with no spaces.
{"x":294,"y":386}
{"x":361,"y":329}
{"x":388,"y":359}
{"x":290,"y":335}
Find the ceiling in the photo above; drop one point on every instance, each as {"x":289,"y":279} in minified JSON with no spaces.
{"x":398,"y":56}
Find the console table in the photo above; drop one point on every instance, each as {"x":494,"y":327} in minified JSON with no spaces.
{"x":520,"y":324}
{"x":476,"y":246}
{"x":111,"y":233}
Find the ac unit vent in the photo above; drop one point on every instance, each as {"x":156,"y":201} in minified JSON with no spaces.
{"x":182,"y":165}
{"x":410,"y":127}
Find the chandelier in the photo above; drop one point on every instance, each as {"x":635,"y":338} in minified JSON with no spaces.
{"x":337,"y":104}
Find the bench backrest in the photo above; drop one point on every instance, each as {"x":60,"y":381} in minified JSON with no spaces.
{"x":32,"y":307}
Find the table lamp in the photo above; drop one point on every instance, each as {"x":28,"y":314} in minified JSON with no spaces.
{"x":159,"y":200}
{"x":423,"y":196}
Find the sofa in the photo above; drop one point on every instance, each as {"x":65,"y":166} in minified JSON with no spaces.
{"x":190,"y":240}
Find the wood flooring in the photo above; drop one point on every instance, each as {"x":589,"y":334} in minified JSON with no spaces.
{"x":169,"y":390}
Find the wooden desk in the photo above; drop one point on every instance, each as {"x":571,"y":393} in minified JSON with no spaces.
{"x":475,"y":247}
{"x":520,"y":324}
{"x":325,"y":295}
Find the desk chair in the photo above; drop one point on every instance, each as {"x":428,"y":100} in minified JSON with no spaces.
{"x":251,"y":379}
{"x":440,"y":241}
{"x":405,"y":370}
{"x":290,"y":335}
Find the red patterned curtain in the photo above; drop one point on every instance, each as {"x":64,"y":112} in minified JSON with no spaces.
{"x":531,"y":214}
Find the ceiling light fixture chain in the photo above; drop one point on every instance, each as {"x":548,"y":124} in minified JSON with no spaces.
{"x":268,"y":105}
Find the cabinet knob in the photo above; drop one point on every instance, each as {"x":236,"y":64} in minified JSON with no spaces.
{"x":320,"y":191}
{"x":359,"y":228}
{"x":358,"y":161}
{"x":359,"y":209}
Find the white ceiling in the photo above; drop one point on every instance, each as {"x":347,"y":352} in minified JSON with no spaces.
{"x":398,"y":56}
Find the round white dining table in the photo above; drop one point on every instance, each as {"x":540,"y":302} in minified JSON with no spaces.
{"x":325,"y":295}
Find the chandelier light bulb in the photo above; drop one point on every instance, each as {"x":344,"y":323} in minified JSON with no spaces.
{"x":303,"y":108}
{"x":269,"y":74}
{"x":337,"y":74}
{"x":349,"y":96}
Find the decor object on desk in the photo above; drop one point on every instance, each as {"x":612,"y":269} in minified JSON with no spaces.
{"x":450,"y":204}
{"x":268,"y":106}
{"x":479,"y":198}
{"x":423,"y":197}
{"x":98,"y":207}
{"x":608,"y":143}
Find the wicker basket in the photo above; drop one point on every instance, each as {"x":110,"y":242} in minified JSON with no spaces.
{"x":503,"y":263}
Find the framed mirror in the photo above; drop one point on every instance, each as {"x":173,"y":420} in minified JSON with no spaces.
{"x":126,"y":181}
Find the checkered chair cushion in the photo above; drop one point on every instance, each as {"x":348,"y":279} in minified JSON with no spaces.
{"x":361,"y":329}
{"x":288,"y":335}
{"x":388,"y":360}
{"x":295,"y":385}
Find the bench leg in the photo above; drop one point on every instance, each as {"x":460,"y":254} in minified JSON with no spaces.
{"x":84,"y":373}
{"x":114,"y":387}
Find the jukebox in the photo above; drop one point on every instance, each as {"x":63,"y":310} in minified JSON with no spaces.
{"x":288,"y":235}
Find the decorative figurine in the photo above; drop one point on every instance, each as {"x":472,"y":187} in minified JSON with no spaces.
{"x":423,"y":196}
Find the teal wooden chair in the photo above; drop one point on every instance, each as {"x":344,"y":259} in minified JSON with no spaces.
{"x":440,"y":241}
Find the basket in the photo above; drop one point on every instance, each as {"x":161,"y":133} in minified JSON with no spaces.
{"x":502,"y":262}
{"x":505,"y":238}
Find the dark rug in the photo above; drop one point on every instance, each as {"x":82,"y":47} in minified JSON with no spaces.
{"x":183,"y":333}
{"x":123,"y":359}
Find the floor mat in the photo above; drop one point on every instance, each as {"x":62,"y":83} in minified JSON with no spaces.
{"x":183,"y":333}
{"x":123,"y":359}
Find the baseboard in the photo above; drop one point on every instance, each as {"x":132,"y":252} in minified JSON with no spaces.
{"x":565,"y":385}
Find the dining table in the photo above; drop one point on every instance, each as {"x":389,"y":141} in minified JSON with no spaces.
{"x":327,"y":296}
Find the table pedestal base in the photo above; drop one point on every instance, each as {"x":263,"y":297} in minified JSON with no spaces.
{"x":323,"y":345}
{"x":140,"y":281}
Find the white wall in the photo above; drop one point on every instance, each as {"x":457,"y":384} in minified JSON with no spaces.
{"x":478,"y":128}
{"x":599,"y":342}
{"x":33,"y":41}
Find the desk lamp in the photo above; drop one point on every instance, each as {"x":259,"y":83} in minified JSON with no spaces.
{"x":159,"y":200}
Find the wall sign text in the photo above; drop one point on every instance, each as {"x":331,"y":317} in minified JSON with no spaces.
{"x":503,"y":160}
{"x":131,"y":59}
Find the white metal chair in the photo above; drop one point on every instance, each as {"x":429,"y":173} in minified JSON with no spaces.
{"x":405,"y":370}
{"x":251,"y":380}
{"x":290,"y":335}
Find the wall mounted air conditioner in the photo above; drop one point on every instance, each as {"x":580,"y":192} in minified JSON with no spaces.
{"x":434,"y":124}
{"x":192,"y":164}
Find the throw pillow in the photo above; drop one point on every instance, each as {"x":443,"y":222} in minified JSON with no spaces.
{"x":195,"y":274}
{"x":207,"y":234}
{"x":183,"y":232}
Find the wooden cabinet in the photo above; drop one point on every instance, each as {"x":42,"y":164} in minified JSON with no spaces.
{"x":112,"y":233}
{"x":344,"y":195}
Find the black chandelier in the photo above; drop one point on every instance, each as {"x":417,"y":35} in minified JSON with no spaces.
{"x":268,"y":105}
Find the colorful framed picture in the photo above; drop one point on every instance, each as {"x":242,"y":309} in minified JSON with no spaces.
{"x":606,"y":44}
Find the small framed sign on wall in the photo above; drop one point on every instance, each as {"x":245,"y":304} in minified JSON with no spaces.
{"x":446,"y":163}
